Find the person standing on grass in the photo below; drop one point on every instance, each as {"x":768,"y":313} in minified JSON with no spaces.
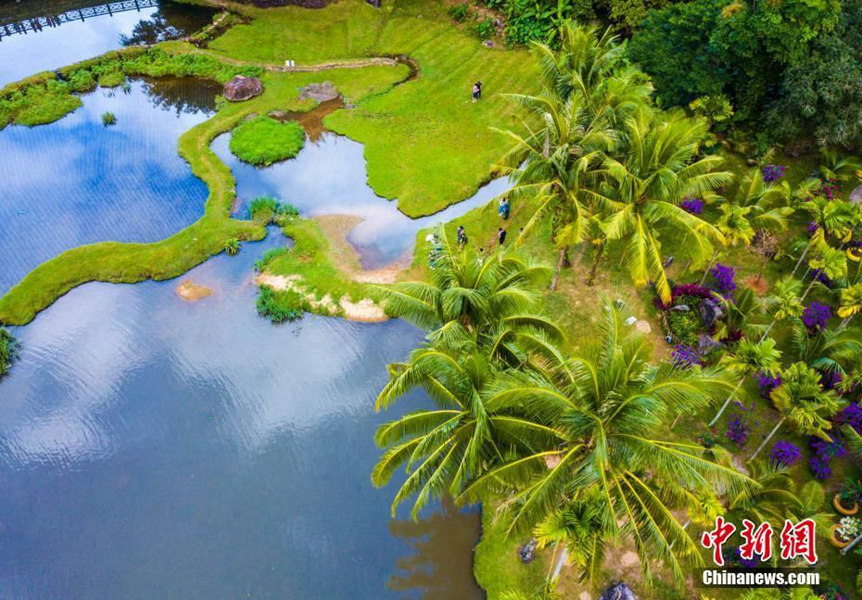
{"x":501,"y":235}
{"x":479,"y":86}
{"x":462,"y":236}
{"x":477,"y":91}
{"x":505,"y":208}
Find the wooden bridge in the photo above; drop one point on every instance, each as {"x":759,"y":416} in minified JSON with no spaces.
{"x":38,"y":23}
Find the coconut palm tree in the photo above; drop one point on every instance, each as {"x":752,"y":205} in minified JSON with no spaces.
{"x":772,"y":501}
{"x":606,"y":406}
{"x":491,"y":302}
{"x":828,"y":350}
{"x":641,"y":191}
{"x":803,"y":403}
{"x":851,"y":303}
{"x":784,"y":302}
{"x":445,"y":447}
{"x":757,"y":206}
{"x":586,"y":97}
{"x":749,"y":358}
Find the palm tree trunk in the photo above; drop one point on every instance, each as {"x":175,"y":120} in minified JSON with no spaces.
{"x":765,"y":333}
{"x":559,"y":566}
{"x":845,"y":321}
{"x":768,"y":437}
{"x":559,"y":266}
{"x":709,"y":266}
{"x":762,"y":269}
{"x":598,"y":257}
{"x":801,"y":258}
{"x":726,"y":402}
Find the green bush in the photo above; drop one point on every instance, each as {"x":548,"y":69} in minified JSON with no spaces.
{"x":231,"y":246}
{"x":459,"y":12}
{"x":8,"y":351}
{"x":112,"y":79}
{"x":685,"y":326}
{"x":108,"y":118}
{"x":484,"y":28}
{"x":279,"y":307}
{"x":266,"y":209}
{"x":263,"y":140}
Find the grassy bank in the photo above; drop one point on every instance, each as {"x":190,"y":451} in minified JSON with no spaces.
{"x":425,"y":142}
{"x":128,"y":263}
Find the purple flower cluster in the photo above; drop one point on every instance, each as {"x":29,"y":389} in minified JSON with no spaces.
{"x":820,"y":276}
{"x":830,"y":379}
{"x":824,"y":451}
{"x":723,"y":276}
{"x":816,"y":315}
{"x":773,"y":173}
{"x":785,"y":453}
{"x":850,"y":415}
{"x":812,"y":228}
{"x":733,"y":558}
{"x":684,"y":356}
{"x":766,"y":383}
{"x":737,"y":431}
{"x":692,"y":205}
{"x":684,"y":289}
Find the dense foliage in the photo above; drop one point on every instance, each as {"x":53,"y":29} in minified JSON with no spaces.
{"x":263,"y":140}
{"x":8,"y":351}
{"x":791,"y":69}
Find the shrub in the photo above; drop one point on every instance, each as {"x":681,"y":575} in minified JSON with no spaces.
{"x":692,"y":205}
{"x":267,"y":209}
{"x":279,"y":307}
{"x":8,"y":351}
{"x":785,"y":454}
{"x":737,"y":431}
{"x":816,"y":315}
{"x":723,"y":276}
{"x":263,"y":140}
{"x":685,"y":356}
{"x":109,"y":118}
{"x":484,"y":28}
{"x":685,"y":326}
{"x":112,"y":79}
{"x":231,"y":246}
{"x":773,"y":173}
{"x":459,"y":12}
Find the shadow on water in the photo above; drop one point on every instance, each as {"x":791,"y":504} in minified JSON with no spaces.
{"x":441,"y":566}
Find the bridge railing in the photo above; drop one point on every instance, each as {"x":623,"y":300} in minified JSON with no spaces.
{"x":39,"y":23}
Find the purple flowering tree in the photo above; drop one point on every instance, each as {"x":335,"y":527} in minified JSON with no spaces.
{"x":785,"y":454}
{"x":815,"y":316}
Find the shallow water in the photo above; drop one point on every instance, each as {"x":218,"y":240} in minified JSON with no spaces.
{"x":22,"y":55}
{"x":328,"y":176}
{"x":76,"y":181}
{"x":146,"y":453}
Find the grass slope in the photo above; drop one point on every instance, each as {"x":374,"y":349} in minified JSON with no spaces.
{"x":425,"y":142}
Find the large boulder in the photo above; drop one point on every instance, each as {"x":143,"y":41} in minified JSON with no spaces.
{"x":242,"y":88}
{"x":319,"y":92}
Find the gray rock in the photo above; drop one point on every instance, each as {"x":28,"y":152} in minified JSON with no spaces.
{"x":618,"y":591}
{"x":319,"y":92}
{"x":681,"y":308}
{"x":710,"y":312}
{"x":856,"y":195}
{"x":242,"y":88}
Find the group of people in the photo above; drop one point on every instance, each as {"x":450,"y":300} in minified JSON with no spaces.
{"x":462,"y":236}
{"x":477,"y":91}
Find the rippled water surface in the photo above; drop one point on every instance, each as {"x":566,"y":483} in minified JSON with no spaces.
{"x":76,"y":181}
{"x":156,"y":449}
{"x":22,"y":55}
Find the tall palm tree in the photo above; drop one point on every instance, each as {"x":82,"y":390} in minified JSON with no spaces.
{"x":828,"y":350}
{"x":803,"y":403}
{"x":606,"y":406}
{"x":758,"y":205}
{"x":445,"y":447}
{"x":641,"y":192}
{"x":749,"y":358}
{"x":493,"y":302}
{"x":586,"y":97}
{"x":772,"y":501}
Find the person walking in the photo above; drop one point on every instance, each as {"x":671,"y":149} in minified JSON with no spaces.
{"x":501,"y":235}
{"x":505,"y":208}
{"x":462,"y":236}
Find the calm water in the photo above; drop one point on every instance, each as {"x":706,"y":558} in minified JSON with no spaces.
{"x":22,"y":55}
{"x":76,"y":181}
{"x":328,"y":177}
{"x":145,"y":453}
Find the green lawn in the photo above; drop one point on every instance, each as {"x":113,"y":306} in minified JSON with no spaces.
{"x":426,"y":143}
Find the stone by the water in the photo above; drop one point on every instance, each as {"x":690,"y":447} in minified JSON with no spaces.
{"x":319,"y":92}
{"x":242,"y":88}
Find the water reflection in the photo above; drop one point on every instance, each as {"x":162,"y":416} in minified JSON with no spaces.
{"x":76,"y":181}
{"x":22,"y":55}
{"x":329,"y":177}
{"x":156,"y":449}
{"x":441,"y":566}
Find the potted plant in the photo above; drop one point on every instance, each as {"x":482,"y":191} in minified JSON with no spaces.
{"x":846,"y":501}
{"x":844,"y":532}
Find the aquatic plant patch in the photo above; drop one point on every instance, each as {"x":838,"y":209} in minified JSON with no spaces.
{"x":263,"y":140}
{"x":8,"y":351}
